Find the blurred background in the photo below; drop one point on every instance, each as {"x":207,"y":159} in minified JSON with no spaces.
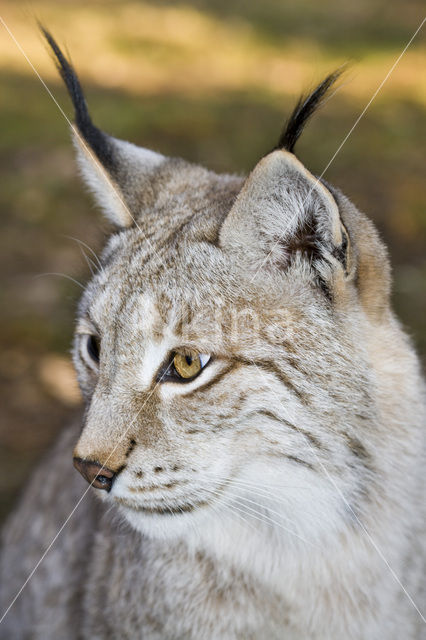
{"x":212,"y":81}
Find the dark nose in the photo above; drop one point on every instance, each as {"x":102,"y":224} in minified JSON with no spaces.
{"x":95,"y":474}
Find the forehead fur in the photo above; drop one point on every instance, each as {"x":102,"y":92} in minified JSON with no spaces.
{"x":175,"y":240}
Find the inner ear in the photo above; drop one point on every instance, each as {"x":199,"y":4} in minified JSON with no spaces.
{"x":321,"y":228}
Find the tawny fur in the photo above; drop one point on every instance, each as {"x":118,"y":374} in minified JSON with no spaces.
{"x":280,"y":493}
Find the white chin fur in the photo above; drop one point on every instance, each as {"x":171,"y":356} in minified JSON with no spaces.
{"x":167,"y":526}
{"x":288,"y":507}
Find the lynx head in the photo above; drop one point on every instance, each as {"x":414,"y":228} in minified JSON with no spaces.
{"x":222,"y":346}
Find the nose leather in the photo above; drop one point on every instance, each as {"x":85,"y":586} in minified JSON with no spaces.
{"x":97,"y":475}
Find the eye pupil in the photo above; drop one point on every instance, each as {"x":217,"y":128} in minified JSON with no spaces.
{"x":93,"y":347}
{"x":187,"y":365}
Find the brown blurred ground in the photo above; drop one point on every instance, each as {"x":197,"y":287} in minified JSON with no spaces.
{"x":210,"y":81}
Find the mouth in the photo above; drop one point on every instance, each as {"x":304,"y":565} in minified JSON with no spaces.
{"x":163,"y":509}
{"x":172,"y":506}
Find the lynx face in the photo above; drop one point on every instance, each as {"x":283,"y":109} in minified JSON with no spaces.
{"x":222,"y":348}
{"x":273,"y":370}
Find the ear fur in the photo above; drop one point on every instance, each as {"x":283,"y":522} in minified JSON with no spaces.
{"x":113,"y":193}
{"x":282,"y":212}
{"x":117,"y":172}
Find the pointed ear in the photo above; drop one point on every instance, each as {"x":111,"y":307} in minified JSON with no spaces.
{"x":119,"y":173}
{"x":284,"y":213}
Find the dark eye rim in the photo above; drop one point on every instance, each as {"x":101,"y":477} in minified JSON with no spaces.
{"x":168,"y":373}
{"x":93,"y":347}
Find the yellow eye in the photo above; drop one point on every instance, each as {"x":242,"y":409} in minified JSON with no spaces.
{"x":189,"y":364}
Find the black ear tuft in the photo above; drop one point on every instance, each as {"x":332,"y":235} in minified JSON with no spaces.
{"x":94,"y":137}
{"x":304,"y":109}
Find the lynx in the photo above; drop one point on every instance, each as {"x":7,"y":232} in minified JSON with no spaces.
{"x":253,"y":431}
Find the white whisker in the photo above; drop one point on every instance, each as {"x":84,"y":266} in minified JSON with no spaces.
{"x":266,"y":519}
{"x":88,"y":248}
{"x":263,"y":506}
{"x":62,"y":275}
{"x":89,"y":263}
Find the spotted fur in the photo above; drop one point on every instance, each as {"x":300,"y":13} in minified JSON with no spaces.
{"x":279,"y":494}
